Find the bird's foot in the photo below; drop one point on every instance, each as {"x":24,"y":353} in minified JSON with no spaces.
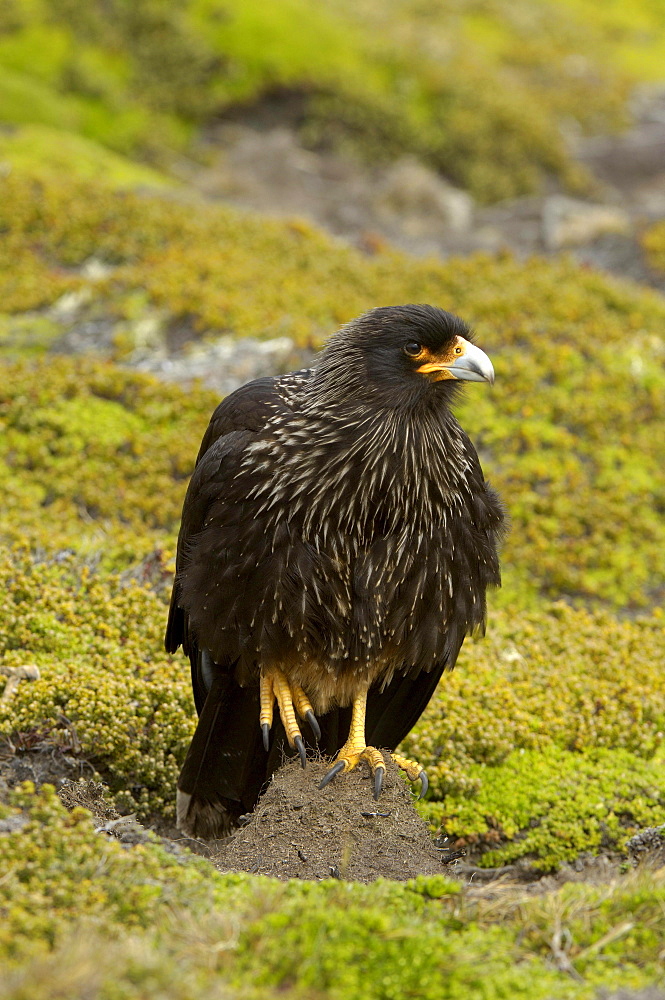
{"x":292,"y":701}
{"x":350,"y":756}
{"x":414,"y":772}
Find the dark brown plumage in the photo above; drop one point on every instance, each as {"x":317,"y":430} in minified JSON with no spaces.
{"x":337,"y":528}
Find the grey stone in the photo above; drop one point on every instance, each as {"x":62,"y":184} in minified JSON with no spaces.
{"x":422,"y":201}
{"x":648,"y":846}
{"x":222,"y":364}
{"x":567,"y":222}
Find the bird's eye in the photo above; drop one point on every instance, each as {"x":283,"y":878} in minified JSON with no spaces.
{"x":412,"y":348}
{"x":458,"y":350}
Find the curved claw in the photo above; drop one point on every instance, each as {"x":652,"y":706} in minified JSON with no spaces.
{"x":332,"y":773}
{"x":300,"y":747}
{"x":313,"y":724}
{"x":424,"y":785}
{"x":378,"y":781}
{"x":265,"y":729}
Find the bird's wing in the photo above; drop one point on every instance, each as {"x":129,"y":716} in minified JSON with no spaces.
{"x":237,"y":419}
{"x":226,"y":765}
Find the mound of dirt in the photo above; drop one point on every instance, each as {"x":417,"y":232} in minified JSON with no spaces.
{"x":297,"y":831}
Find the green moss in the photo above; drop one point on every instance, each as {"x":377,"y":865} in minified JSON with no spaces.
{"x":27,"y":99}
{"x":479,"y":91}
{"x":636,"y":34}
{"x":654,"y":244}
{"x":546,"y":740}
{"x":94,"y":457}
{"x":40,"y":151}
{"x":60,"y":871}
{"x":83,"y":916}
{"x":548,"y":806}
{"x":556,"y":677}
{"x":558,"y":339}
{"x":106,"y":684}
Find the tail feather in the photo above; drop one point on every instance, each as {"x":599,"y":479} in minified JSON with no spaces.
{"x":225,"y":766}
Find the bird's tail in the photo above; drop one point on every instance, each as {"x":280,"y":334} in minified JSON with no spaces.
{"x":225,"y":767}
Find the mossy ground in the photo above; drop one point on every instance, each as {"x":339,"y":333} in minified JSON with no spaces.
{"x":575,"y":353}
{"x":547,"y":739}
{"x":83,"y":915}
{"x":545,"y":742}
{"x":478,"y":89}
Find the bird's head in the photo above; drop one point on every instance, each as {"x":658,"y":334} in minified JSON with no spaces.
{"x":400,"y":354}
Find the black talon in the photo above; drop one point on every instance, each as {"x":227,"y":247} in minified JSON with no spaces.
{"x":424,"y":785}
{"x":378,"y":781}
{"x":300,"y":747}
{"x":332,"y":773}
{"x":313,"y":724}
{"x":265,"y":729}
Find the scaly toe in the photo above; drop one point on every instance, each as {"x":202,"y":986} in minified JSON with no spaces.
{"x":414,"y":772}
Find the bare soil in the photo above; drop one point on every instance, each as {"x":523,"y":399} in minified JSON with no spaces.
{"x":299,"y":831}
{"x":340,"y":831}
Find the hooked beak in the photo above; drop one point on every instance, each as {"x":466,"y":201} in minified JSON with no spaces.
{"x":472,"y":365}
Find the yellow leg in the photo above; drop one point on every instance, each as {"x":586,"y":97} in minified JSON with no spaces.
{"x":303,"y":705}
{"x":291,"y":699}
{"x":267,"y":698}
{"x":355,"y":749}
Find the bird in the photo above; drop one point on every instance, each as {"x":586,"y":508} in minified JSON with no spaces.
{"x":337,"y":540}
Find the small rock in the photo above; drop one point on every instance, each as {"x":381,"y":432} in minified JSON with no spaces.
{"x":94,"y":269}
{"x":567,"y":222}
{"x":511,"y":654}
{"x":422,"y":201}
{"x":223,"y":364}
{"x":13,"y":824}
{"x":68,"y":305}
{"x":14,"y":675}
{"x":648,"y":846}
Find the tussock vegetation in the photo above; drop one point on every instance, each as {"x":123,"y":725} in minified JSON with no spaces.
{"x":566,"y":434}
{"x":546,"y":740}
{"x":478,"y":89}
{"x":82,"y":915}
{"x":654,"y":244}
{"x":94,"y":460}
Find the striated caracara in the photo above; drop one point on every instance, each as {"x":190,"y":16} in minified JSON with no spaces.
{"x":337,"y":540}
